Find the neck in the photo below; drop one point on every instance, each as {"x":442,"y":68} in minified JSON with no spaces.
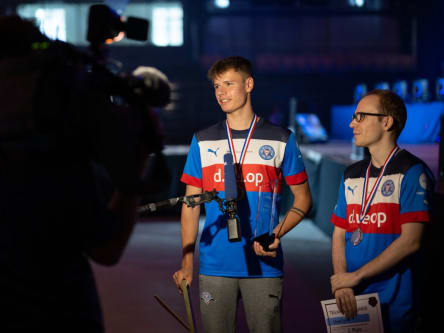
{"x":240,"y":121}
{"x":380,"y":153}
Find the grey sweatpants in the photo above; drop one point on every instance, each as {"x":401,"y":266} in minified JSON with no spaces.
{"x":262,"y":299}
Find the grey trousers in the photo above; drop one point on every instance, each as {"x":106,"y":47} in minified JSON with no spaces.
{"x":262,"y":299}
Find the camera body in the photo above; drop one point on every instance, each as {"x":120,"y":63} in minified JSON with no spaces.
{"x":63,"y":104}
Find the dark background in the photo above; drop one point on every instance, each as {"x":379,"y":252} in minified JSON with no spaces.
{"x":314,"y":50}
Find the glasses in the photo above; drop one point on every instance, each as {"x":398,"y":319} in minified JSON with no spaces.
{"x":360,"y":116}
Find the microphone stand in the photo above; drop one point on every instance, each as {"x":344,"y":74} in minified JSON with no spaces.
{"x":228,"y":207}
{"x":190,"y":200}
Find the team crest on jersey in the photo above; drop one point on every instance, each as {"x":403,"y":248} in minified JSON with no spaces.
{"x":388,"y":188}
{"x":266,"y":152}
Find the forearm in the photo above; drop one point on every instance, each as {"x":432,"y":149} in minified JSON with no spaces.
{"x":338,"y":251}
{"x":290,"y":220}
{"x":189,"y":231}
{"x":404,"y":246}
{"x":301,"y":206}
{"x":189,"y":227}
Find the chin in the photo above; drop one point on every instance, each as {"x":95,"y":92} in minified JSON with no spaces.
{"x":358,"y":143}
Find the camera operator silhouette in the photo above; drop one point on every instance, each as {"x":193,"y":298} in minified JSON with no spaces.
{"x":58,"y":126}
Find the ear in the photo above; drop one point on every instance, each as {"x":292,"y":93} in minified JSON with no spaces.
{"x":249,"y":84}
{"x":388,"y":123}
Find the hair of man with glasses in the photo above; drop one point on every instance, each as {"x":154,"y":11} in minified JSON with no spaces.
{"x":392,"y":105}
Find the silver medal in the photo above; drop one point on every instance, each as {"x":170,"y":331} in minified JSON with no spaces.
{"x":356,"y":237}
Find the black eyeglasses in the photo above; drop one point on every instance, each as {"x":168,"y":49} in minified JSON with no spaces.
{"x":360,"y":116}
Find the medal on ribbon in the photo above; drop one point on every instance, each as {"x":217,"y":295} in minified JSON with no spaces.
{"x":367,"y":200}
{"x":238,"y":164}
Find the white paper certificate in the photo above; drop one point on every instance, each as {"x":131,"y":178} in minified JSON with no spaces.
{"x":367,"y":320}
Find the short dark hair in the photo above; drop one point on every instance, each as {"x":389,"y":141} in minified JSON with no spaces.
{"x":239,"y":64}
{"x":392,"y":105}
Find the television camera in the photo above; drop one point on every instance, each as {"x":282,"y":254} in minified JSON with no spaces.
{"x":71,"y":106}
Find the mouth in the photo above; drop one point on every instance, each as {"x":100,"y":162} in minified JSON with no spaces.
{"x":223,"y":101}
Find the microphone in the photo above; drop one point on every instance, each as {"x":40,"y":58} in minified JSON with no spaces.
{"x":233,"y":225}
{"x":189,"y":200}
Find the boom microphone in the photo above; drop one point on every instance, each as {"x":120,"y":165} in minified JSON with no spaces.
{"x":189,"y":200}
{"x":233,"y":225}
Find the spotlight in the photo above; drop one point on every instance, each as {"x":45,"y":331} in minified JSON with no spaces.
{"x":440,"y":89}
{"x":222,"y":3}
{"x":360,"y":91}
{"x":400,"y":88}
{"x":420,"y":91}
{"x":382,"y":85}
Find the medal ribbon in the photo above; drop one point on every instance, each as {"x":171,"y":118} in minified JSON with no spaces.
{"x":367,"y":200}
{"x":246,"y":142}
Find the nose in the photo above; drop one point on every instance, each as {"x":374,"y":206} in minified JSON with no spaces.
{"x":221,"y":90}
{"x":352,"y":124}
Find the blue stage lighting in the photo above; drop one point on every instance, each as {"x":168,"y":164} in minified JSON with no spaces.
{"x":360,"y":91}
{"x":222,"y":3}
{"x":440,"y":89}
{"x":382,"y":85}
{"x":420,"y":91}
{"x":400,"y":88}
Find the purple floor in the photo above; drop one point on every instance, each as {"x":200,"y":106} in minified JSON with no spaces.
{"x":127,"y":290}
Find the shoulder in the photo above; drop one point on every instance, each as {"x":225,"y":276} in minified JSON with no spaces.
{"x":268,"y":131}
{"x":210,"y":133}
{"x":405,"y":161}
{"x":356,"y":170}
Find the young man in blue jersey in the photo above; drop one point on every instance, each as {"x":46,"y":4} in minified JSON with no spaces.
{"x":263,"y":154}
{"x":381,"y":214}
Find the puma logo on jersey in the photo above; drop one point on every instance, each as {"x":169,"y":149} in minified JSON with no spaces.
{"x":213,"y":151}
{"x":352,"y":190}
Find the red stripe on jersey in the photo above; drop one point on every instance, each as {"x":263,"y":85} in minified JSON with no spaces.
{"x":296,"y":179}
{"x":190,"y":180}
{"x":415,"y":217}
{"x":213,"y":177}
{"x":381,"y":218}
{"x":253,"y":176}
{"x":339,"y":221}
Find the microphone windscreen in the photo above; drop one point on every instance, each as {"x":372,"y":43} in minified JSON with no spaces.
{"x":230,"y":178}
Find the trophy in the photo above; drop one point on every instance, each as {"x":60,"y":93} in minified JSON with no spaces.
{"x":266,"y":215}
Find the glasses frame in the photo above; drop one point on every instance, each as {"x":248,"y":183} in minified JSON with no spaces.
{"x":360,"y":116}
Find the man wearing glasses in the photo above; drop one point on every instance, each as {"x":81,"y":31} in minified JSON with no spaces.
{"x":380,"y":217}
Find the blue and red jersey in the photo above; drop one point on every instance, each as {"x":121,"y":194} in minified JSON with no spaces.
{"x":403,"y":196}
{"x":272,"y":155}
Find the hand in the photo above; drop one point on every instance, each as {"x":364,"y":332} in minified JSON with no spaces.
{"x":183,"y":274}
{"x":346,"y":301}
{"x":344,"y":280}
{"x":259,"y":250}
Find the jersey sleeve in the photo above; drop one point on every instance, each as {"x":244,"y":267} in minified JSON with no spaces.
{"x":416,"y":189}
{"x":339,"y":216}
{"x":293,"y":168}
{"x":192,"y":173}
